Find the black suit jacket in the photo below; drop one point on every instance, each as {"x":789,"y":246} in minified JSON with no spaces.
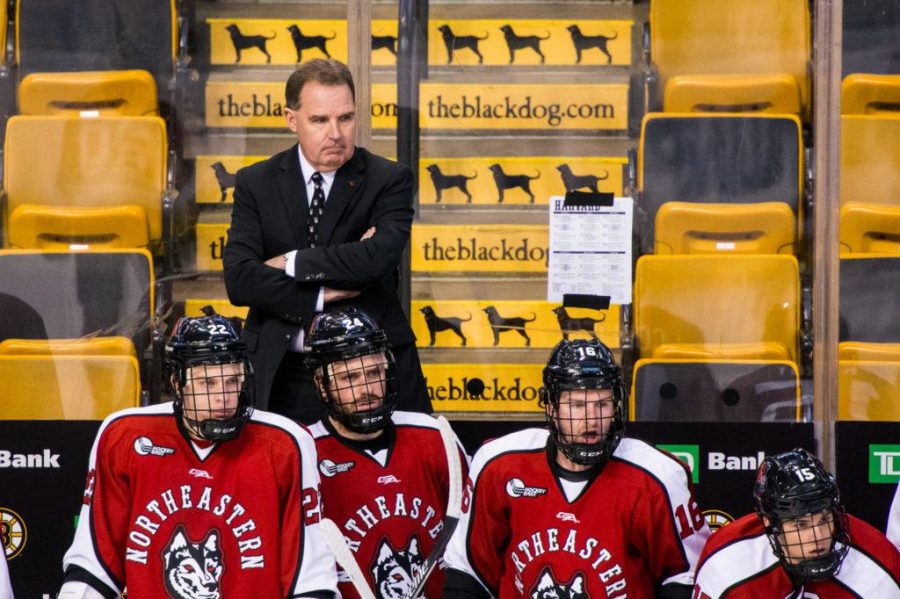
{"x":269,"y":218}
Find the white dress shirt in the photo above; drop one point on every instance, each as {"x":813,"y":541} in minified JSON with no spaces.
{"x":306,"y":172}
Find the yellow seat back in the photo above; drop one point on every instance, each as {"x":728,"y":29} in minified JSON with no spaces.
{"x":89,"y":93}
{"x":870,"y":153}
{"x":773,"y":94}
{"x":694,"y":228}
{"x":865,"y":93}
{"x":84,"y":346}
{"x":64,"y":173}
{"x":67,"y":387}
{"x":728,"y":37}
{"x":869,"y":390}
{"x":716,"y":301}
{"x":870,"y":228}
{"x":869,"y":352}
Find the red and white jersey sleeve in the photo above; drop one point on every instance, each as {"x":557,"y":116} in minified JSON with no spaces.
{"x":164,"y":516}
{"x":893,"y":525}
{"x":390,"y":510}
{"x":632,"y":528}
{"x":738,"y":563}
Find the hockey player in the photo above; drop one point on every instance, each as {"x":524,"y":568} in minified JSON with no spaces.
{"x":384,"y":472}
{"x":800,"y":543}
{"x":581,"y":510}
{"x":893,"y":525}
{"x":201,"y":497}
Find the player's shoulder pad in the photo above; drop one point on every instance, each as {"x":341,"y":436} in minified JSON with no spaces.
{"x":300,"y":433}
{"x":660,"y":464}
{"x":123,"y":417}
{"x":417,"y":419}
{"x":526,"y":440}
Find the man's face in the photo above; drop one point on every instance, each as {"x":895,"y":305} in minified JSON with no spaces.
{"x":325,"y":125}
{"x":807,"y":537}
{"x":212,"y":391}
{"x":584,"y":415}
{"x":358,"y":384}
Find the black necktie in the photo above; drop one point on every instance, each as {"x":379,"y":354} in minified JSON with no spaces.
{"x":316,"y":207}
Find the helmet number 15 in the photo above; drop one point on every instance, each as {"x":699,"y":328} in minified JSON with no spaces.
{"x":804,"y":474}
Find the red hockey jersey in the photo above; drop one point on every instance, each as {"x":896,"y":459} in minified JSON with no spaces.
{"x":738,"y":562}
{"x":169,"y":518}
{"x":633,"y":527}
{"x":391,"y":512}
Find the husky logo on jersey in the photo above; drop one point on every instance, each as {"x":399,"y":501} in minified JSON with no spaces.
{"x":548,"y":588}
{"x":144,"y":446}
{"x":329,"y":468}
{"x":516,"y":488}
{"x":394,"y":571}
{"x":193,"y":570}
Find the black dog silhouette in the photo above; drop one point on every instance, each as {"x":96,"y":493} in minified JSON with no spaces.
{"x":436,"y":324}
{"x":585,"y":42}
{"x":388,"y":42}
{"x":518,"y":42}
{"x":567,"y":324}
{"x":442,"y":182}
{"x":242,"y":42}
{"x":573,"y":182}
{"x":500,"y":324}
{"x":455,"y":42}
{"x":308,"y":42}
{"x":504,"y":182}
{"x":225,"y":179}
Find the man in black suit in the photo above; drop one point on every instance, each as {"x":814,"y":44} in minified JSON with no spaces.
{"x":320,"y":225}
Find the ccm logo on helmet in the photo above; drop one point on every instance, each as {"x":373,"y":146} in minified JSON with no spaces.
{"x":516,"y":488}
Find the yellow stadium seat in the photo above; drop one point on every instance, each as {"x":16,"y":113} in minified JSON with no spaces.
{"x":774,"y":94}
{"x":743,"y":306}
{"x":869,"y":390}
{"x":83,"y":296}
{"x":739,"y":162}
{"x":869,"y":352}
{"x":694,"y":228}
{"x":685,"y":390}
{"x":67,"y":387}
{"x":865,"y":93}
{"x":868,"y":290}
{"x":753,"y":44}
{"x":84,"y":182}
{"x":867,"y":228}
{"x":870,"y":153}
{"x":89,"y":93}
{"x":83,"y":346}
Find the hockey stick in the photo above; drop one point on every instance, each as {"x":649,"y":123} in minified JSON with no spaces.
{"x":335,"y":539}
{"x":454,"y":509}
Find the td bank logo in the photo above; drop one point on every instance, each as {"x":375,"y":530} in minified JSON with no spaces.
{"x":884,"y":464}
{"x":689,"y":454}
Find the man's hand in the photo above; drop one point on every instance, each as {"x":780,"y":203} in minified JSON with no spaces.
{"x":277,"y":262}
{"x":336,"y":295}
{"x":280,"y":262}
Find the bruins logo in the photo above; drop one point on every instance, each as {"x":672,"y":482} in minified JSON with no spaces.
{"x":716,"y":519}
{"x":13,"y":532}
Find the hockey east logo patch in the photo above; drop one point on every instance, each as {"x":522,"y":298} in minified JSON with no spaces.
{"x":548,"y":587}
{"x":193,"y":570}
{"x":329,"y":468}
{"x":394,"y":571}
{"x":144,"y":446}
{"x":516,"y":487}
